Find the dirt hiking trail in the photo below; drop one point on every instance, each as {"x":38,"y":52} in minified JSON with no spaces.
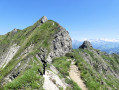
{"x":74,"y":74}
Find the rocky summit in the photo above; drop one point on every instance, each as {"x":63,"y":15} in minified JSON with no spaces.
{"x":86,"y":44}
{"x":40,"y":57}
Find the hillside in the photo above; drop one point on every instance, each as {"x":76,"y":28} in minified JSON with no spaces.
{"x":25,"y":53}
{"x":99,"y":70}
{"x":41,"y":57}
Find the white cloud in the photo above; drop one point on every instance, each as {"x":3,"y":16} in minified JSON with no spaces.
{"x":99,"y":39}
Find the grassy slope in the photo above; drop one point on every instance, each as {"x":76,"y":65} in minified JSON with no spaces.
{"x":93,"y":79}
{"x":41,"y":37}
{"x":62,"y":65}
{"x":38,"y":36}
{"x":29,"y":79}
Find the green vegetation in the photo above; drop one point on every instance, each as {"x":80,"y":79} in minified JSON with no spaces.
{"x":63,"y":65}
{"x":112,"y":60}
{"x":40,"y":37}
{"x":89,"y":75}
{"x":29,"y":79}
{"x":87,"y":60}
{"x":73,"y":85}
{"x":93,"y":79}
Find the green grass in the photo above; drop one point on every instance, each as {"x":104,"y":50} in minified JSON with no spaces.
{"x":93,"y":79}
{"x":42,"y":37}
{"x":62,"y":65}
{"x":7,"y":69}
{"x":29,"y":79}
{"x":73,"y":85}
{"x":88,"y":74}
{"x":113,"y":61}
{"x":38,"y":36}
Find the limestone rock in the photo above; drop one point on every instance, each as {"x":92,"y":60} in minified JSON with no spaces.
{"x":53,"y":82}
{"x":41,"y":21}
{"x":61,"y":44}
{"x":5,"y":57}
{"x":44,"y":19}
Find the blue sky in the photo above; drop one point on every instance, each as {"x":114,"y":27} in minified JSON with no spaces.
{"x":89,"y":19}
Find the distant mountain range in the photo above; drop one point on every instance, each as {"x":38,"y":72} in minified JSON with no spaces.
{"x":109,"y":46}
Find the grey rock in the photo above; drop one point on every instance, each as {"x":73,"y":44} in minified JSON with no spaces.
{"x":21,"y":66}
{"x":61,"y":44}
{"x":42,"y":54}
{"x":14,"y":31}
{"x":44,"y":19}
{"x":8,"y":54}
{"x":98,"y":63}
{"x":41,"y":21}
{"x":86,"y":44}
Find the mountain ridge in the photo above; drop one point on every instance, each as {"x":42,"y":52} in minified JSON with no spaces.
{"x":39,"y":57}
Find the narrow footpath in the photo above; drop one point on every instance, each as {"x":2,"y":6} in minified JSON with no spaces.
{"x":74,"y":74}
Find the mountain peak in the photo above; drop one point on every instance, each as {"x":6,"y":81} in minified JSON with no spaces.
{"x":86,"y":44}
{"x":44,"y":19}
{"x":14,"y":31}
{"x":41,"y":21}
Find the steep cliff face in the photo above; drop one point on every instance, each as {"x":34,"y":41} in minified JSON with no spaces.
{"x":61,"y":44}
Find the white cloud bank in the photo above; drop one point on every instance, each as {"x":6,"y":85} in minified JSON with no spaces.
{"x":99,"y":39}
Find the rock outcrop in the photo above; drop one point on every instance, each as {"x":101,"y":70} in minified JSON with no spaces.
{"x":5,"y":57}
{"x":14,"y":31}
{"x":41,"y":21}
{"x":44,"y":19}
{"x":52,"y":81}
{"x":61,"y":44}
{"x":86,"y":44}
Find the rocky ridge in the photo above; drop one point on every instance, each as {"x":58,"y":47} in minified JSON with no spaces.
{"x":40,"y":57}
{"x":59,"y":44}
{"x":86,"y":44}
